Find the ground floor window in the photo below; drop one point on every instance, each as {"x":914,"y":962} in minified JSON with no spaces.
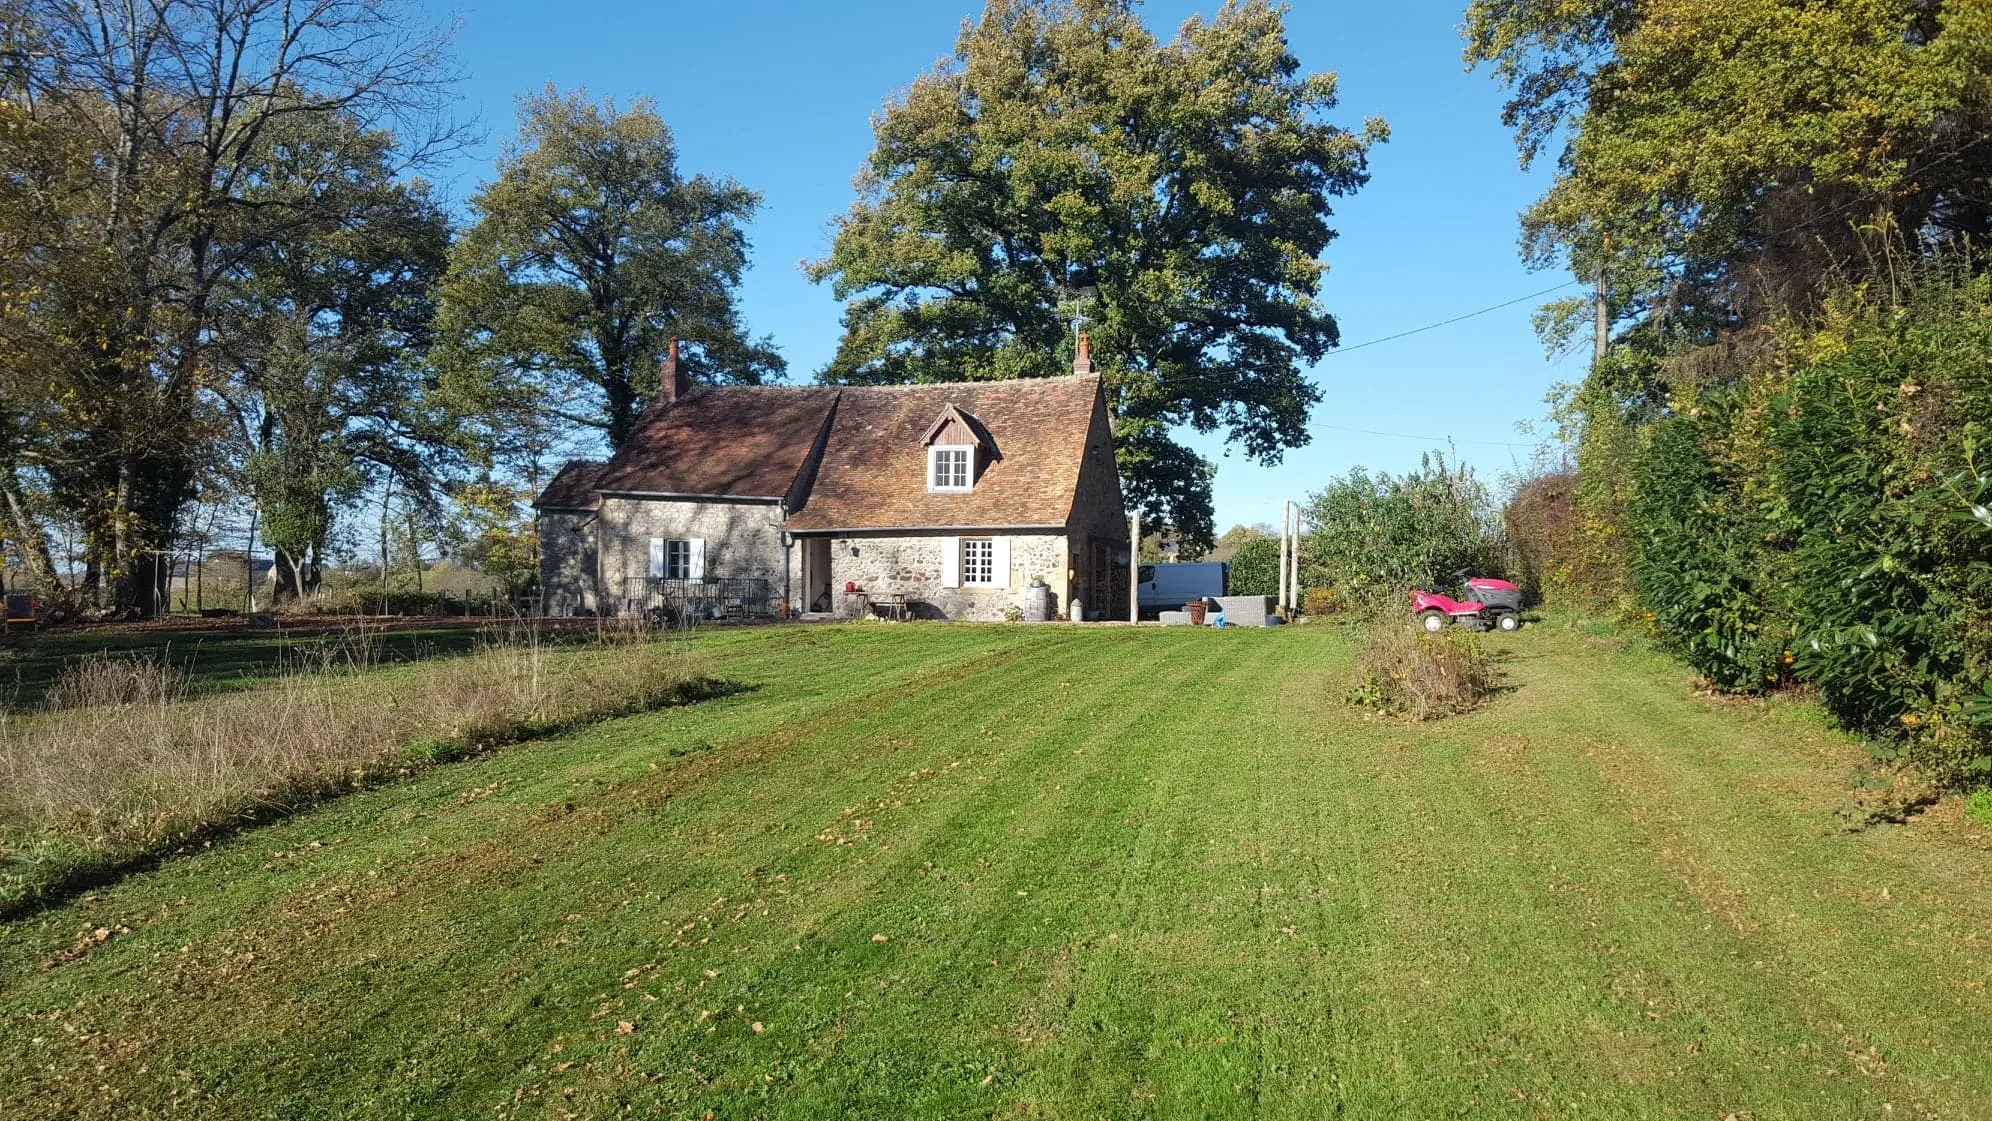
{"x":978,"y":561}
{"x":673,"y":559}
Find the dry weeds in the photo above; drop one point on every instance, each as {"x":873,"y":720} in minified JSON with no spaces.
{"x":123,"y":760}
{"x":1420,"y":676}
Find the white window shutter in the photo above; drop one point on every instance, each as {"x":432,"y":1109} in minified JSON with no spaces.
{"x":696,"y":564}
{"x":657,"y":558}
{"x":950,"y":562}
{"x":1000,"y":554}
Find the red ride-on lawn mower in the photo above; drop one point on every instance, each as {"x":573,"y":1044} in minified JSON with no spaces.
{"x":1484,"y":602}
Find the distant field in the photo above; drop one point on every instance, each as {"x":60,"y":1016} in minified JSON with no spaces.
{"x":950,"y":871}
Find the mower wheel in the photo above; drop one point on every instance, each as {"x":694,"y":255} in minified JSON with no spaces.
{"x":1507,"y":621}
{"x":1432,"y":621}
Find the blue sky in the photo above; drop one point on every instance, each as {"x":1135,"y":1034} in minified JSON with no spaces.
{"x":780,"y":95}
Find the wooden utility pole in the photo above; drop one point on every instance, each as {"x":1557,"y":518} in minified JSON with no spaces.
{"x":1286,"y":546}
{"x":1601,"y":329}
{"x":1293,"y":560}
{"x":249,"y":560}
{"x":1134,"y":567}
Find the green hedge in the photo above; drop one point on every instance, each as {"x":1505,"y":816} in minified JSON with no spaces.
{"x":1822,"y":517}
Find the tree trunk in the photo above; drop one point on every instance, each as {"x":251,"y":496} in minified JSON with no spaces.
{"x":620,"y":397}
{"x":124,"y":571}
{"x":415,"y":548}
{"x":151,"y":490}
{"x":292,"y":576}
{"x":386,"y":493}
{"x":33,"y":542}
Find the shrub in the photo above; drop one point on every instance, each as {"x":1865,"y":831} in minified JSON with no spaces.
{"x":360,"y":599}
{"x":1978,"y":807}
{"x":1407,"y":672}
{"x":1696,"y":557}
{"x":1321,"y":601}
{"x":1540,"y":525}
{"x":1371,"y":537}
{"x":1255,"y":567}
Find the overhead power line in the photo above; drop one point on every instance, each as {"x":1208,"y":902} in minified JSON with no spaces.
{"x":1426,"y":439}
{"x":1812,"y":221}
{"x":1454,"y":319}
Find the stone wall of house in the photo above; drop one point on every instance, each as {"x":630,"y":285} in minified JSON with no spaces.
{"x":567,"y":563}
{"x":1097,"y":506}
{"x":910,"y":565}
{"x":742,"y":540}
{"x":1098,"y":513}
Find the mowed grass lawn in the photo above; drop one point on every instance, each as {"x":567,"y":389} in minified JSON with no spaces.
{"x":951,"y":871}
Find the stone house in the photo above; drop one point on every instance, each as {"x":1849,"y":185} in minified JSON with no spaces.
{"x":948,"y":498}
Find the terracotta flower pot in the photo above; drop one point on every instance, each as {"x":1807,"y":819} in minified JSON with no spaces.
{"x":1196,"y":610}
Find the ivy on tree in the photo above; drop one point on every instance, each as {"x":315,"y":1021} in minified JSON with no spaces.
{"x":1176,"y":195}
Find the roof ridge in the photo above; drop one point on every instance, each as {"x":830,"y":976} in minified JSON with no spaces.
{"x":898,"y":387}
{"x":990,"y":382}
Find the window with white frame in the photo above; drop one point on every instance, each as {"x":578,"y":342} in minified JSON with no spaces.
{"x":677,"y":560}
{"x":950,"y":467}
{"x":978,"y":561}
{"x":671,"y":559}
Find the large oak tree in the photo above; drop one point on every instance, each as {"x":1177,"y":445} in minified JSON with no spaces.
{"x":1066,"y":163}
{"x":588,"y":253}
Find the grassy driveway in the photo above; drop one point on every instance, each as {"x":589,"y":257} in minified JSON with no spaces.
{"x":956,"y":871}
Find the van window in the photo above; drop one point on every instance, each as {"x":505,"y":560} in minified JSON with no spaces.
{"x":1147,"y":575}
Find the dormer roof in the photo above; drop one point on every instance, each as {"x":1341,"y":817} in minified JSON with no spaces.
{"x":958,"y":428}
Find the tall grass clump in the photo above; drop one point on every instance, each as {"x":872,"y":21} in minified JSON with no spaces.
{"x":1406,"y":672}
{"x":122,"y":762}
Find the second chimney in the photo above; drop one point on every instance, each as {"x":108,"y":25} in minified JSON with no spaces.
{"x":670,"y":380}
{"x":1082,"y":360}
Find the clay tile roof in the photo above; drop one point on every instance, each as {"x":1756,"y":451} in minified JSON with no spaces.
{"x":573,"y":487}
{"x":874,"y":470}
{"x":742,"y":441}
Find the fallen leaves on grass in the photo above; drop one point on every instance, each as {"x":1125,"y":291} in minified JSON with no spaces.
{"x":90,"y":939}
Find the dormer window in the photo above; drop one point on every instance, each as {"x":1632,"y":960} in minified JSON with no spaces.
{"x":951,"y":467}
{"x":957,"y":448}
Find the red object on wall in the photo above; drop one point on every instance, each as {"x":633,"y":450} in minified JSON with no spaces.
{"x":850,"y":586}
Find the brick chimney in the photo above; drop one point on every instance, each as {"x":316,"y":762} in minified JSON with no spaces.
{"x":670,"y":380}
{"x":1082,"y":359}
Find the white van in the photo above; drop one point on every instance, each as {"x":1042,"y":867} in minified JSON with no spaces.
{"x":1167,"y":587}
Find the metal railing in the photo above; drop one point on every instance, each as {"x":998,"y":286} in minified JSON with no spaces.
{"x":676,"y":602}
